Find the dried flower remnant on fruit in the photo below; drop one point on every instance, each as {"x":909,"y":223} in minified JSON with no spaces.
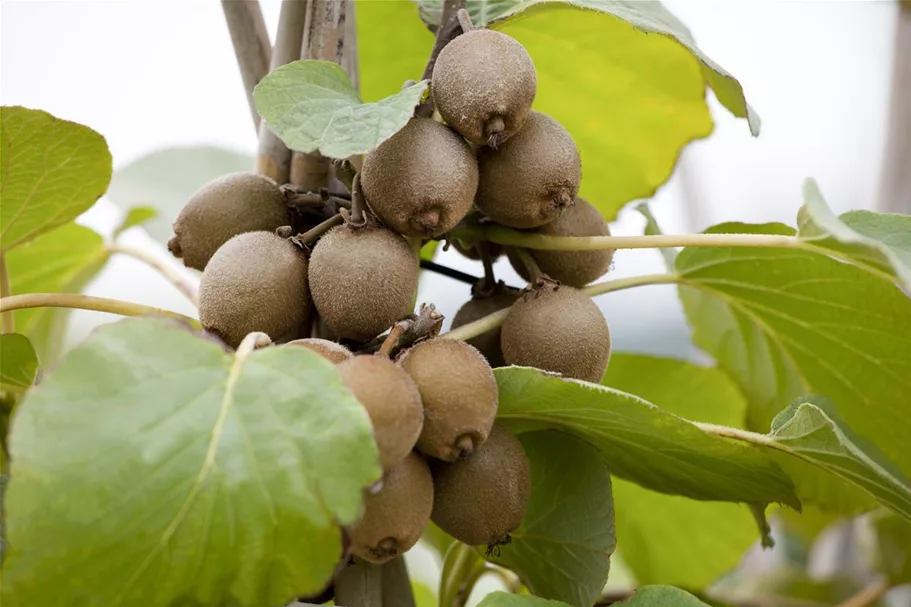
{"x":532,"y":177}
{"x":255,"y":282}
{"x":421,"y":181}
{"x":483,"y":85}
{"x":395,"y":516}
{"x":459,"y":393}
{"x":223,"y":208}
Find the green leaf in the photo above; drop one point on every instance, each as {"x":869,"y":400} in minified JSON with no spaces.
{"x":786,"y":322}
{"x":155,"y":468}
{"x":438,"y":539}
{"x":166,"y":179}
{"x":429,"y":250}
{"x":503,"y":599}
{"x":562,"y":549}
{"x":879,"y":242}
{"x":61,"y":261}
{"x":661,"y":596}
{"x":636,"y":102}
{"x":641,"y":442}
{"x":51,"y":171}
{"x":893,"y":547}
{"x":18,"y":363}
{"x":663,"y":538}
{"x":312,"y":106}
{"x":134,"y":217}
{"x":652,"y":229}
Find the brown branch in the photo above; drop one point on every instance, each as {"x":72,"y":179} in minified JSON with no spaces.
{"x":274,"y":158}
{"x":895,"y":181}
{"x":251,"y":45}
{"x":449,"y":29}
{"x":317,"y":231}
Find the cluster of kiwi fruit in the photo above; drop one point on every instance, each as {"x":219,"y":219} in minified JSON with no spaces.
{"x":486,"y":156}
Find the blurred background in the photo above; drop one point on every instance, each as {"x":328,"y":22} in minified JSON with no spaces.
{"x":151,"y":75}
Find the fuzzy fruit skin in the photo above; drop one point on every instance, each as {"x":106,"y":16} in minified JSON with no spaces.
{"x":395,"y":517}
{"x":421,"y":181}
{"x":391,"y":399}
{"x":255,"y":282}
{"x":481,"y":76}
{"x":331,"y":351}
{"x":478,"y":307}
{"x":480,"y":500}
{"x":363,"y":280}
{"x":528,"y":181}
{"x":459,"y":393}
{"x":573,"y":268}
{"x":223,"y":208}
{"x":560,"y":330}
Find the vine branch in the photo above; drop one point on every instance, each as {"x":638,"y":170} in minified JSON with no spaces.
{"x":180,"y":282}
{"x":432,"y":266}
{"x":450,"y":28}
{"x":86,"y":302}
{"x":251,"y":45}
{"x":318,"y":230}
{"x":7,"y":319}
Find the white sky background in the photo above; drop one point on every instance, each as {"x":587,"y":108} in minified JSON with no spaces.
{"x":154,"y":74}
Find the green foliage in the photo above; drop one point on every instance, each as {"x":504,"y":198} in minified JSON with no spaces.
{"x":661,"y":596}
{"x":641,"y":442}
{"x":134,"y":217}
{"x":664,"y":537}
{"x":61,"y":261}
{"x":165,"y":180}
{"x":18,"y":362}
{"x":502,"y":599}
{"x":562,"y":550}
{"x":312,"y":106}
{"x":166,"y":449}
{"x":893,"y":546}
{"x":51,"y":170}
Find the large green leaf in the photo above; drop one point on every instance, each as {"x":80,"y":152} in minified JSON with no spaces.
{"x":153,"y":467}
{"x":641,"y":442}
{"x":637,"y":98}
{"x":892,"y":538}
{"x":18,"y":362}
{"x":502,"y":599}
{"x":880,"y":242}
{"x":661,"y":596}
{"x":663,"y":538}
{"x":313,"y":106}
{"x":786,"y":322}
{"x":562,"y":549}
{"x":165,"y":180}
{"x":51,"y":171}
{"x":61,"y":261}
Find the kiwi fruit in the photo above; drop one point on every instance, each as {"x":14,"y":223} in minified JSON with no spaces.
{"x":391,"y":399}
{"x":395,"y":516}
{"x":363,"y":280}
{"x":557,"y":329}
{"x":256,"y":281}
{"x":480,"y":306}
{"x":480,"y":500}
{"x":459,"y":394}
{"x":573,"y":268}
{"x":223,"y":208}
{"x":421,"y":181}
{"x":331,"y":351}
{"x":483,"y":85}
{"x":532,"y":177}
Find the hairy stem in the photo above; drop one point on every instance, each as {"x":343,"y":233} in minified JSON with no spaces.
{"x":446,"y":33}
{"x":86,"y":302}
{"x":251,"y":45}
{"x":317,"y":231}
{"x":531,"y":266}
{"x":392,"y":340}
{"x":515,"y":238}
{"x":180,"y":282}
{"x":7,"y":319}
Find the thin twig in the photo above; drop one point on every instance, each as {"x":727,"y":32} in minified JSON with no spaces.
{"x":317,"y":231}
{"x":464,"y":20}
{"x":534,"y":273}
{"x":431,"y":266}
{"x":426,"y":324}
{"x":358,"y":213}
{"x":7,"y":319}
{"x":392,"y":339}
{"x":490,"y":280}
{"x":449,"y":29}
{"x":868,"y":596}
{"x":251,"y":45}
{"x":180,"y":282}
{"x":86,"y":302}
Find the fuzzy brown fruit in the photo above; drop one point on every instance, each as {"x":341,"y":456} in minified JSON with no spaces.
{"x":483,"y":84}
{"x":573,"y":268}
{"x":394,"y":517}
{"x":532,"y":177}
{"x":480,"y":500}
{"x":255,"y":282}
{"x":330,"y":350}
{"x":480,"y":306}
{"x":363,"y":280}
{"x":223,"y":208}
{"x":559,"y":330}
{"x":421,"y":181}
{"x":459,"y":394}
{"x":392,"y":400}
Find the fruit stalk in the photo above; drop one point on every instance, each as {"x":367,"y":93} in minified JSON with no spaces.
{"x":7,"y":319}
{"x":461,"y":569}
{"x":180,"y":282}
{"x":320,"y":229}
{"x":531,"y":266}
{"x":251,"y":45}
{"x":86,"y":302}
{"x":449,"y":28}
